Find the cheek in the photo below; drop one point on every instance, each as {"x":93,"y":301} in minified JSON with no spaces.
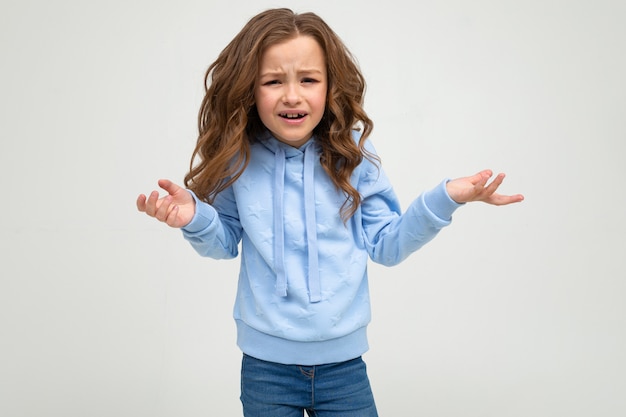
{"x":320,"y":101}
{"x":263,"y":105}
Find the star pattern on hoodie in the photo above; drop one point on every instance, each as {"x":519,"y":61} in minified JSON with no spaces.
{"x":283,"y":326}
{"x":255,"y":210}
{"x":305,"y":314}
{"x":307,"y":201}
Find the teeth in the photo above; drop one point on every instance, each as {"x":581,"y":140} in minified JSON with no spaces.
{"x":292,"y":116}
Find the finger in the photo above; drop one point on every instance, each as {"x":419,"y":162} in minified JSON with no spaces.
{"x":480,"y":192}
{"x":141,"y":203}
{"x":172,"y":217}
{"x":491,"y":188}
{"x":480,"y":179}
{"x":169,"y":186}
{"x":487,"y":173}
{"x":164,"y":208}
{"x":503,"y":200}
{"x":151,"y":203}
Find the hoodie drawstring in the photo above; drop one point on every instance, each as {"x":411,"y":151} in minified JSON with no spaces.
{"x":279,"y":232}
{"x":310,"y":223}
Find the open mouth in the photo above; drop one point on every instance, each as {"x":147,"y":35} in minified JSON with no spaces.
{"x":292,"y":116}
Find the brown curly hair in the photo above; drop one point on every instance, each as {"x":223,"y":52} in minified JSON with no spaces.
{"x":228,"y":119}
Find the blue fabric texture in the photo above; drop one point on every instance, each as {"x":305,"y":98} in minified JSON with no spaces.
{"x":303,"y":294}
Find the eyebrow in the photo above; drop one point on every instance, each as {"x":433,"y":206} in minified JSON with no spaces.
{"x":273,"y":73}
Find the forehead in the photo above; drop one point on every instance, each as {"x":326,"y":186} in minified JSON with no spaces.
{"x":301,"y":51}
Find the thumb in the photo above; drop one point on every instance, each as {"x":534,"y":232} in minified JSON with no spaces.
{"x":169,"y":186}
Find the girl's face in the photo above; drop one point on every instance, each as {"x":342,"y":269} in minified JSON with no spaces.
{"x":290,"y":91}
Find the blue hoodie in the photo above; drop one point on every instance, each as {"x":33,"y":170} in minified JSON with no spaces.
{"x":303,"y":294}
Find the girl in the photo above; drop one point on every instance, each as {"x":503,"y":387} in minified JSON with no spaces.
{"x":283,"y":165}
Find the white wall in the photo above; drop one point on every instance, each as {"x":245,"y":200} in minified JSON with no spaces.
{"x":512,"y":311}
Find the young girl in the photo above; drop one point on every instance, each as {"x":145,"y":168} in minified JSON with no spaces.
{"x":283,"y":165}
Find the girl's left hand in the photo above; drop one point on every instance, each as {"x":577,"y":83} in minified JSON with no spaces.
{"x":475,"y":188}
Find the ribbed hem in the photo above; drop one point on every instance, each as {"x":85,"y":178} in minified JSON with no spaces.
{"x":276,"y":349}
{"x":202,"y":218}
{"x":439,"y":203}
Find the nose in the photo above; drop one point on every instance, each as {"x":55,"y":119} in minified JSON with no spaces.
{"x":291,"y":93}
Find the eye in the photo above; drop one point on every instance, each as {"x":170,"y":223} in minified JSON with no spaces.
{"x":309,"y":80}
{"x":271,"y":82}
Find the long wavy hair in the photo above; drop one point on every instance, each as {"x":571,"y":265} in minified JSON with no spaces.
{"x":228,"y":119}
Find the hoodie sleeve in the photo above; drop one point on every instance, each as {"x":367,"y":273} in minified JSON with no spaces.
{"x":390,"y":235}
{"x":215,"y":230}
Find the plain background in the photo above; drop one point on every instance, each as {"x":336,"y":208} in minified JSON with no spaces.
{"x":511,"y":311}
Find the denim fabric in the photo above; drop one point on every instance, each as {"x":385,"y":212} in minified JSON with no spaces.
{"x":333,"y":390}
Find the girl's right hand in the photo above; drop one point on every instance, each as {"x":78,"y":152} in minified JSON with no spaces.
{"x":176,"y":209}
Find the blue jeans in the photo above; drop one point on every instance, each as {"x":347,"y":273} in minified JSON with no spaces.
{"x":334,"y":390}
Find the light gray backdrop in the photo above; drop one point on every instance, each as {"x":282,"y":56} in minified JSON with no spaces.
{"x":513,"y":311}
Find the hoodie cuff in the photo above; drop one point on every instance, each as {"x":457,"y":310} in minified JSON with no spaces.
{"x":202,"y":218}
{"x":439,"y":202}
